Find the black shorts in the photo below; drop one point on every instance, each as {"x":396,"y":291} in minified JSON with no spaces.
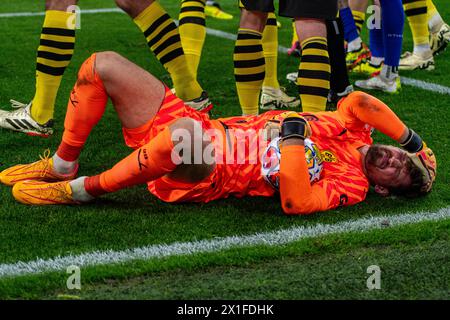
{"x":259,"y":5}
{"x":319,"y":9}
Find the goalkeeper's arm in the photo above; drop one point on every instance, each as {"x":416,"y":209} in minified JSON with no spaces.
{"x":369,"y":110}
{"x":297,"y":196}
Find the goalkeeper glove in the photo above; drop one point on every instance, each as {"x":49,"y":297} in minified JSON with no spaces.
{"x":422,"y":157}
{"x":295,"y":126}
{"x":425,"y":161}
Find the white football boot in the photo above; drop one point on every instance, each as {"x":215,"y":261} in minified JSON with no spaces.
{"x":380,"y":83}
{"x":272,"y":99}
{"x":292,"y":77}
{"x":413,"y":61}
{"x":20,"y":120}
{"x":439,"y":40}
{"x":202,"y":104}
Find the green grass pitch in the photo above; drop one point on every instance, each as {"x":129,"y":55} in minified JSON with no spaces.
{"x":414,"y":259}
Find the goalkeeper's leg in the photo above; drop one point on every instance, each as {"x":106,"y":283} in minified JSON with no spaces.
{"x":136,"y":95}
{"x":157,"y":158}
{"x":150,"y":162}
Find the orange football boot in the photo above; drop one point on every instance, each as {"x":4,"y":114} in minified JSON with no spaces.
{"x":43,"y":193}
{"x":41,"y":170}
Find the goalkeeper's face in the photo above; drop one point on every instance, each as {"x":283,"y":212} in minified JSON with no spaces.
{"x":387,"y":167}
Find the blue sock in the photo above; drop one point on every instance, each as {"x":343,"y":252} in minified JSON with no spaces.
{"x":376,"y":42}
{"x":350,"y":31}
{"x":393,"y":19}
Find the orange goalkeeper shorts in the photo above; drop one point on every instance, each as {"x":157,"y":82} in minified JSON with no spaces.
{"x":169,"y":190}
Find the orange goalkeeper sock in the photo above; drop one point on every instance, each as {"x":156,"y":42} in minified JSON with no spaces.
{"x":86,"y":106}
{"x":150,"y":162}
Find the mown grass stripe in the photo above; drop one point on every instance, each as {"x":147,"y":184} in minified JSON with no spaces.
{"x":274,"y":238}
{"x":407,"y":81}
{"x":226,"y":35}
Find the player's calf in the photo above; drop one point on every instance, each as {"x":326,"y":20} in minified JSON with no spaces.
{"x":132,"y":7}
{"x":135,"y":93}
{"x":60,"y":5}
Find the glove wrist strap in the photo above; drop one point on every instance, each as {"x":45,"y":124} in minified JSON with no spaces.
{"x":295,"y":128}
{"x":413,"y":142}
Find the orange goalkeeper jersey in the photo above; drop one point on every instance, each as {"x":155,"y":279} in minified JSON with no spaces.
{"x":238,"y":173}
{"x":338,"y":137}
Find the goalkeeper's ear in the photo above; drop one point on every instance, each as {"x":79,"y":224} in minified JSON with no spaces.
{"x":382,"y":191}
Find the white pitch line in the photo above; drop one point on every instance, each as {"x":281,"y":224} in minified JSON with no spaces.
{"x":221,"y":34}
{"x":274,"y":238}
{"x":35,"y":14}
{"x":176,"y":249}
{"x":425,"y":85}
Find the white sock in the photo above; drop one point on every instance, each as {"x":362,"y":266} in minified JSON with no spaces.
{"x":79,"y":193}
{"x":62,"y":166}
{"x":389,"y":72}
{"x":435,"y":23}
{"x":422,"y":50}
{"x":376,"y":61}
{"x":354,"y":45}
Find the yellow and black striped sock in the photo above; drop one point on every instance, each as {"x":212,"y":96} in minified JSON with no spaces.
{"x":270,"y":48}
{"x":249,"y":69}
{"x":416,"y":12}
{"x":54,"y":54}
{"x":314,"y":74}
{"x":192,"y":31}
{"x":164,"y":40}
{"x":359,"y":18}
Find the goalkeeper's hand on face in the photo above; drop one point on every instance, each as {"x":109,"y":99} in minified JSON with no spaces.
{"x":294,"y":126}
{"x":422,"y":157}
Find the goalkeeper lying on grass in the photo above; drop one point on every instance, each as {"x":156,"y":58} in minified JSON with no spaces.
{"x":183,"y":155}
